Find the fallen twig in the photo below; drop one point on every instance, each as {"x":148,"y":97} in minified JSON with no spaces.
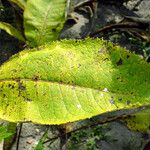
{"x":117,"y":26}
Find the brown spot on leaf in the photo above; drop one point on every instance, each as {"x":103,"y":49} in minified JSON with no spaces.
{"x":128,"y":56}
{"x":128,"y":102}
{"x":11,"y":86}
{"x":118,"y":63}
{"x":79,"y":65}
{"x":28,"y":99}
{"x":14,"y":70}
{"x":36,"y":77}
{"x":105,"y":59}
{"x":53,"y":30}
{"x":21,"y":86}
{"x":120,"y":99}
{"x":102,"y":50}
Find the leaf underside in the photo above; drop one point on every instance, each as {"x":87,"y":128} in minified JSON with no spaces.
{"x":43,"y":20}
{"x":72,"y":80}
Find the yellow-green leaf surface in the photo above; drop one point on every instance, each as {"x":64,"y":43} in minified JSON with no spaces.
{"x":11,"y":30}
{"x":72,"y":80}
{"x":139,"y":121}
{"x":43,"y":20}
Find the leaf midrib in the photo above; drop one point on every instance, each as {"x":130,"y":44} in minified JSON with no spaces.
{"x":65,"y":84}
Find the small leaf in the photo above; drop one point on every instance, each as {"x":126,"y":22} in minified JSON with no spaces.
{"x":11,"y":30}
{"x":39,"y":146}
{"x":3,"y":133}
{"x":72,"y":80}
{"x":43,"y":20}
{"x":20,"y":3}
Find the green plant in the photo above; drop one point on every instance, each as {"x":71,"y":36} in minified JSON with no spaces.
{"x":39,"y":146}
{"x":11,"y":30}
{"x":80,"y":78}
{"x":68,"y":80}
{"x":42,"y":21}
{"x":3,"y":133}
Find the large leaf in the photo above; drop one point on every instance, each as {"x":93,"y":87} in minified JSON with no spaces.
{"x":20,"y":3}
{"x":43,"y":20}
{"x":11,"y":30}
{"x":72,"y":80}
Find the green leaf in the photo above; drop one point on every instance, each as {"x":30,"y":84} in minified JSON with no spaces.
{"x":11,"y":128}
{"x":20,"y":3}
{"x":72,"y":80}
{"x":40,"y":144}
{"x":3,"y":133}
{"x":139,"y":121}
{"x":43,"y":20}
{"x":11,"y":30}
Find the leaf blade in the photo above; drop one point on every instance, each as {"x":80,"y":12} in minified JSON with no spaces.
{"x":43,"y":20}
{"x":72,"y":80}
{"x":11,"y":30}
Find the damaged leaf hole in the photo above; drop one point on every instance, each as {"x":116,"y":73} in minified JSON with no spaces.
{"x":4,"y":95}
{"x":102,"y":50}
